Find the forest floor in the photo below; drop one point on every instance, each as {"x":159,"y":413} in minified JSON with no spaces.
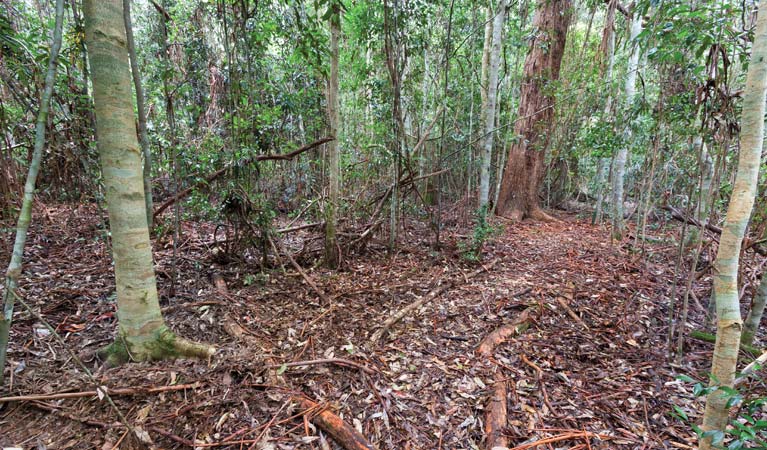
{"x":591,"y":375}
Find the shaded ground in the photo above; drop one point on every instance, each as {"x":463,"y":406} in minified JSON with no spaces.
{"x":605,"y":373}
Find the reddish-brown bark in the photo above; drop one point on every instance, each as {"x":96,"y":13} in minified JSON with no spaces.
{"x":518,"y":196}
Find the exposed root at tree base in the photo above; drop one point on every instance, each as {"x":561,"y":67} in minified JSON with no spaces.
{"x":163,"y":344}
{"x":496,"y":415}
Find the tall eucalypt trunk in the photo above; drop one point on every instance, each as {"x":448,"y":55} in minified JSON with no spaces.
{"x":518,"y":196}
{"x":488,"y":114}
{"x":25,"y":215}
{"x":729,"y":323}
{"x":754,"y":317}
{"x":142,"y":132}
{"x":619,"y":162}
{"x":142,"y":333}
{"x":334,"y":167}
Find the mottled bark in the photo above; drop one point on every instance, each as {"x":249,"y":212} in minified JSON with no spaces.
{"x":729,"y":323}
{"x":754,"y":317}
{"x":518,"y":197}
{"x":489,"y":111}
{"x":142,"y":133}
{"x":25,"y":215}
{"x":142,"y":333}
{"x":621,"y":156}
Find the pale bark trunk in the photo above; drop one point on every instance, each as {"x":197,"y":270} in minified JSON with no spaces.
{"x":25,"y":215}
{"x":334,"y":168}
{"x":490,"y":105}
{"x":754,"y":317}
{"x":619,"y":163}
{"x":142,"y":133}
{"x":729,"y":323}
{"x":142,"y":333}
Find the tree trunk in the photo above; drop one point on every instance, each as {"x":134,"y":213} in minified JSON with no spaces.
{"x":754,"y":317}
{"x":334,"y":167}
{"x":142,"y":333}
{"x":25,"y":215}
{"x":729,"y":323}
{"x":619,"y":163}
{"x":488,"y":114}
{"x":142,"y":134}
{"x":518,"y":197}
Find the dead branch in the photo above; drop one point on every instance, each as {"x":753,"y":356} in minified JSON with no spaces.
{"x":496,"y":413}
{"x":113,"y":392}
{"x":338,"y":361}
{"x":342,"y":432}
{"x":303,"y":274}
{"x":436,"y":292}
{"x":571,"y":313}
{"x":214,"y":175}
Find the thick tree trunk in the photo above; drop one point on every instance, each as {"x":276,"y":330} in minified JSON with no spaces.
{"x":25,"y":215}
{"x":619,"y":162}
{"x":518,"y":197}
{"x":754,"y":317}
{"x":334,"y":167}
{"x":488,"y":114}
{"x":142,"y":333}
{"x":729,"y":323}
{"x":142,"y":133}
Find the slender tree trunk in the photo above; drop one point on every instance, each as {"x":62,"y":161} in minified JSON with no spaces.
{"x":489,"y":112}
{"x":729,"y":323}
{"x":142,"y":333}
{"x":619,"y":163}
{"x":25,"y":215}
{"x":754,"y":317}
{"x":142,"y":133}
{"x":518,"y":197}
{"x":334,"y":169}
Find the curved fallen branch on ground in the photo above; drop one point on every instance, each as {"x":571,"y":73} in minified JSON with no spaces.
{"x":436,"y":292}
{"x":496,"y":414}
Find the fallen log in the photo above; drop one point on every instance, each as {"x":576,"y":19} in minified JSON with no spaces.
{"x":708,"y":337}
{"x":496,"y":415}
{"x":434,"y":293}
{"x":214,"y":175}
{"x":343,"y":433}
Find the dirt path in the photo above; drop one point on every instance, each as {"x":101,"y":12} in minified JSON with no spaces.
{"x":604,"y":373}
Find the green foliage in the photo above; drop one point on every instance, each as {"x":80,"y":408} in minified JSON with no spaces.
{"x":749,"y":427}
{"x":482,"y":232}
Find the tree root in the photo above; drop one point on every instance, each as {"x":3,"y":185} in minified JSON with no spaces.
{"x":496,"y":412}
{"x":342,"y":432}
{"x":161,"y":344}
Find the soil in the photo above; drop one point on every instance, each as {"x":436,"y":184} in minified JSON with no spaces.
{"x":590,"y":373}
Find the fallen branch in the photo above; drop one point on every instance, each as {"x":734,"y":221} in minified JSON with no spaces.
{"x":680,"y":216}
{"x":561,"y":437}
{"x":708,"y":337}
{"x":755,"y":365}
{"x":113,"y":392}
{"x":496,"y":412}
{"x":343,"y":433}
{"x":213,"y":176}
{"x":571,"y":313}
{"x":436,"y":292}
{"x":338,"y":361}
{"x":303,"y":274}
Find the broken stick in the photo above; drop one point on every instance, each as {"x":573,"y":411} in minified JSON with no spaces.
{"x":436,"y":292}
